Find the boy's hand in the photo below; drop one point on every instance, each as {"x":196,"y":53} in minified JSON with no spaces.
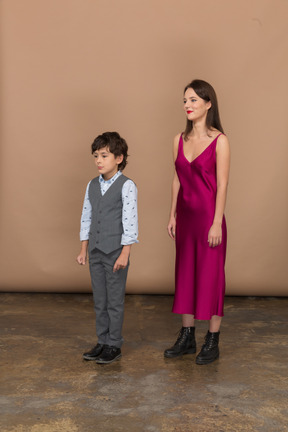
{"x":122,"y":260}
{"x":121,"y":263}
{"x":81,"y":258}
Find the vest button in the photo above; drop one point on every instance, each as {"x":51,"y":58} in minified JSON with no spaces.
{"x":98,"y":232}
{"x":99,"y":222}
{"x":97,"y":242}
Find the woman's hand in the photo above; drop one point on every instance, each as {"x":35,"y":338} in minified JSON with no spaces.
{"x":215,"y":235}
{"x":172,"y":227}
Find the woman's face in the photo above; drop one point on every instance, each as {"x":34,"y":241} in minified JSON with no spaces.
{"x":195,"y":107}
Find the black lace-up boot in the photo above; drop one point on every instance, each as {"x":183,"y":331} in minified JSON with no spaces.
{"x":185,"y":343}
{"x":210,"y":350}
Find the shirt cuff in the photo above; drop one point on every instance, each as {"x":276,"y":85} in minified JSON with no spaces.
{"x":84,"y":235}
{"x":125,"y":241}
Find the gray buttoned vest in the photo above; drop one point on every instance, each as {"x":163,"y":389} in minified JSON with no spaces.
{"x":106,"y":225}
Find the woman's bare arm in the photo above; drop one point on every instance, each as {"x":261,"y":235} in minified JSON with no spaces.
{"x":175,"y":189}
{"x":223,"y":165}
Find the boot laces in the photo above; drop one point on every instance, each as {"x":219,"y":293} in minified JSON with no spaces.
{"x":182,"y":335}
{"x":210,"y":342}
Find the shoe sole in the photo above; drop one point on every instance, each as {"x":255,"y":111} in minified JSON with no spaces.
{"x":90,"y":358}
{"x":192,"y":351}
{"x":108,"y":361}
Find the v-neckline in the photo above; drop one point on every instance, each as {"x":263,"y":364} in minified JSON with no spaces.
{"x":109,"y":189}
{"x":201,"y":152}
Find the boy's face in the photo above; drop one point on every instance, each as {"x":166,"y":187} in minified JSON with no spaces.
{"x":106,"y":162}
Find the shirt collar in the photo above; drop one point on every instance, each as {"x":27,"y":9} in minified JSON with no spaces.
{"x":110,"y":181}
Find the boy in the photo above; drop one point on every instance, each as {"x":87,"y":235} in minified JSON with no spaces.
{"x":109,"y":226}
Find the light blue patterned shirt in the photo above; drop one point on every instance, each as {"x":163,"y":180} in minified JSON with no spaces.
{"x":129,"y":213}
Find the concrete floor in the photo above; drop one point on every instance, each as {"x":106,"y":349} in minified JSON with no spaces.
{"x":46,"y":386}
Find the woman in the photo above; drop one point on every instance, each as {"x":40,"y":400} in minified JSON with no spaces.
{"x":197,"y":222}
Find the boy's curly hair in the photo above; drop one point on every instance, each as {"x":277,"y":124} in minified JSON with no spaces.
{"x":115,"y":144}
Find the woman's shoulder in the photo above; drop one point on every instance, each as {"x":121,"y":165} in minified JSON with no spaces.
{"x":221,"y":137}
{"x":177,"y":139}
{"x":222,"y":144}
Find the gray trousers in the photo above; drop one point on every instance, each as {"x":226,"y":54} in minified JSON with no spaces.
{"x":109,"y":296}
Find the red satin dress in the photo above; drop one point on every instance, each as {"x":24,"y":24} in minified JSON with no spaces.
{"x":199,"y":270}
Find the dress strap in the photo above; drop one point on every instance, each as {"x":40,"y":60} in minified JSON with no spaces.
{"x":216,"y":139}
{"x":180,"y":145}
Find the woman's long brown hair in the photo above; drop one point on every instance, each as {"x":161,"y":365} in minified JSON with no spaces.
{"x":205,"y":91}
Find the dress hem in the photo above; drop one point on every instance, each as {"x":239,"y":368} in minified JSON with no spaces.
{"x":197,"y":317}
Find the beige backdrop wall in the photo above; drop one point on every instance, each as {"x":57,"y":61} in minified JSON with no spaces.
{"x":72,"y":69}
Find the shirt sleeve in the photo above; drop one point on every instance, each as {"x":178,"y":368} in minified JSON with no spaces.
{"x":86,"y":217}
{"x":129,"y":213}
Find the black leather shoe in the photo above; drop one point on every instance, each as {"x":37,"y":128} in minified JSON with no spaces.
{"x":94,"y":352}
{"x":109,"y":355}
{"x":185,"y":343}
{"x":210,"y":350}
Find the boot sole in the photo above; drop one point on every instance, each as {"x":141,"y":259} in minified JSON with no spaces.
{"x":204,"y":362}
{"x":191,"y":351}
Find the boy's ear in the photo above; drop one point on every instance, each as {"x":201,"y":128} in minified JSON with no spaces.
{"x":119,"y":159}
